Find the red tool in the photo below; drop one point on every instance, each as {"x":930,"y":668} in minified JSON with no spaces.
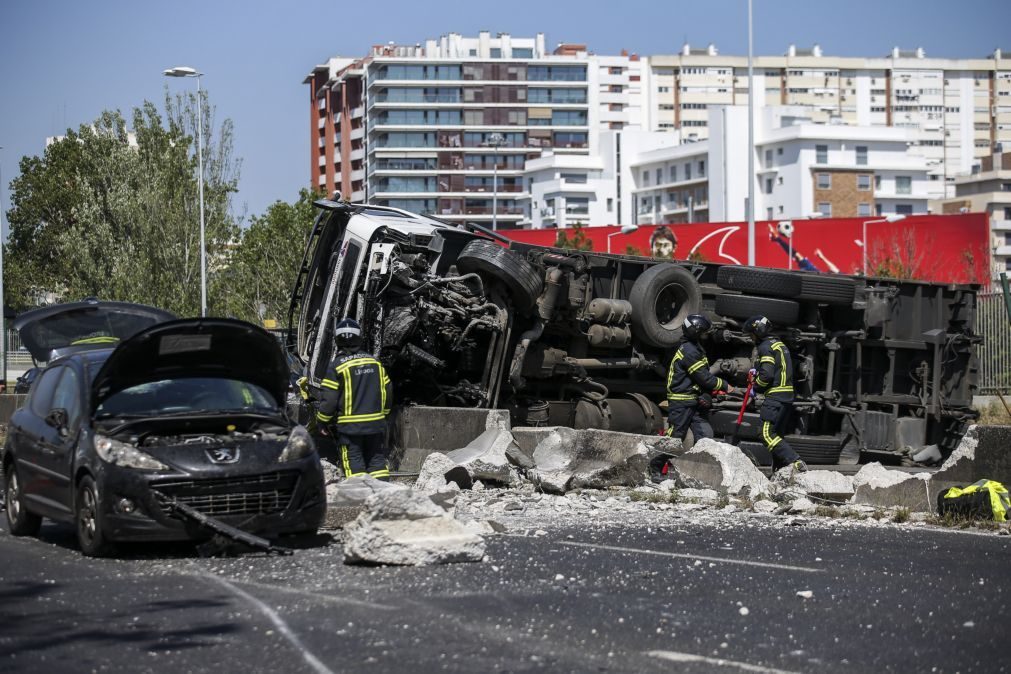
{"x":744,"y":405}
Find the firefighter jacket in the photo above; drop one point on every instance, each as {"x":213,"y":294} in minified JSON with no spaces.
{"x":357,"y":395}
{"x":775,"y":370}
{"x":689,"y":375}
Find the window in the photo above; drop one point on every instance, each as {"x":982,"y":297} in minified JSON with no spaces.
{"x":523,"y":53}
{"x":574,"y":178}
{"x":877,"y":210}
{"x":877,"y":182}
{"x":1005,"y":187}
{"x":821,"y":154}
{"x":864,"y":183}
{"x":610,"y":204}
{"x":1007,"y":212}
{"x":702,"y":168}
{"x":824,"y":181}
{"x":42,"y":391}
{"x":825,"y":209}
{"x":768,"y":185}
{"x":496,"y":53}
{"x":904,"y":209}
{"x":68,"y":396}
{"x":769,"y":163}
{"x":861,"y":155}
{"x":779,"y":180}
{"x":688,"y":171}
{"x":674,"y":175}
{"x":577,"y":206}
{"x":645,"y":178}
{"x":780,"y":210}
{"x":903,"y":185}
{"x":768,"y":213}
{"x":659,"y":176}
{"x":863,"y":209}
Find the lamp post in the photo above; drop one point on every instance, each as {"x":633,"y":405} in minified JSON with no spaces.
{"x":3,"y":322}
{"x":751,"y":147}
{"x":892,"y":217}
{"x":627,"y":229}
{"x":495,"y":140}
{"x":185,"y":71}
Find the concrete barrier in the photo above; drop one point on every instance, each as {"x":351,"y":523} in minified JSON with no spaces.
{"x":8,"y":404}
{"x":984,"y":453}
{"x":417,"y":431}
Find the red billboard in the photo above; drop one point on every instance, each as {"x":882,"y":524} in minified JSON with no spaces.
{"x":942,"y":248}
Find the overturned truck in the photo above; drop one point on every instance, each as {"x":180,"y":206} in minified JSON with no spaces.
{"x":463,"y":317}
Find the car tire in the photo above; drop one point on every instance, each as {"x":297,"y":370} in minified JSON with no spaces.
{"x":661,"y":298}
{"x":819,"y":450}
{"x":759,"y":281}
{"x":783,"y":313}
{"x":87,"y":520}
{"x":488,"y":258}
{"x":827,"y":289}
{"x":20,"y":522}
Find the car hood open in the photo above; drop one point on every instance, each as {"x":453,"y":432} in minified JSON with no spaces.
{"x":50,"y":332}
{"x":195,"y":347}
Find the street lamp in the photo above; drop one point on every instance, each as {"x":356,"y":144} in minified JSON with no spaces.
{"x":891,"y":217}
{"x":627,"y":229}
{"x":185,"y":71}
{"x":3,"y":324}
{"x":495,"y":140}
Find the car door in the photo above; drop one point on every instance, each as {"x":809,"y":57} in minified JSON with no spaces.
{"x":57,"y":446}
{"x":30,"y":434}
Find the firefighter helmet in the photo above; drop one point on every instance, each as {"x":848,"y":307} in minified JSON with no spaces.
{"x":696,"y":326}
{"x":348,"y":334}
{"x":757,"y":326}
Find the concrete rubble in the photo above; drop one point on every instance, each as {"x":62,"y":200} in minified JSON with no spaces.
{"x":566,"y":459}
{"x":346,"y":500}
{"x":439,"y":470}
{"x":406,"y":528}
{"x":723,"y":467}
{"x":487,"y":457}
{"x":821,"y":484}
{"x":875,"y":485}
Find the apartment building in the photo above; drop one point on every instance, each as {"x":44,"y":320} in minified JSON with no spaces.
{"x":446,"y":128}
{"x":958,"y":109}
{"x":987,"y":189}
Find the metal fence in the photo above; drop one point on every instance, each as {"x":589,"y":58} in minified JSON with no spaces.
{"x":995,"y":352}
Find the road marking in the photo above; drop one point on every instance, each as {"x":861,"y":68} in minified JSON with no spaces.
{"x":320,"y":595}
{"x":684,"y":555}
{"x":674,"y":656}
{"x":281,"y":626}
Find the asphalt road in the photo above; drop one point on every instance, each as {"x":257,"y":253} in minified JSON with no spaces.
{"x":689,"y":597}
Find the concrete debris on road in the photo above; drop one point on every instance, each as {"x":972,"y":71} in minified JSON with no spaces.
{"x":487,"y":457}
{"x":820,"y":484}
{"x":723,"y":467}
{"x":346,"y":500}
{"x":982,"y":454}
{"x":438,"y":470}
{"x":877,"y":486}
{"x":406,"y":528}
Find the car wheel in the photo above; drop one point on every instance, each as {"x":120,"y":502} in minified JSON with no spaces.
{"x":86,"y":516}
{"x":827,"y":289}
{"x":487,"y":258}
{"x":768,"y":282}
{"x":20,"y":522}
{"x":661,"y":298}
{"x":783,"y":313}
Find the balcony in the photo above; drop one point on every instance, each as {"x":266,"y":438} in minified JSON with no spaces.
{"x":321,"y":122}
{"x":357,"y":134}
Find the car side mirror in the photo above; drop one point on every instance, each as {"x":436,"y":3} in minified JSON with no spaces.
{"x":59,"y":420}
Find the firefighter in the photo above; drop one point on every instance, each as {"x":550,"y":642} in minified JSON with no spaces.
{"x":690,"y":386}
{"x":773,"y":375}
{"x":356,"y":398}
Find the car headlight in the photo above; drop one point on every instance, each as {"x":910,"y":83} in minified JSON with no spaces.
{"x":300,"y":445}
{"x":121,"y":454}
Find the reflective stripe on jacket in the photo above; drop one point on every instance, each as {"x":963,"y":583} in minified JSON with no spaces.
{"x":689,"y":374}
{"x":357,"y":395}
{"x":775,"y":369}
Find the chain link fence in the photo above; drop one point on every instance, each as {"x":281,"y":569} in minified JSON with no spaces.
{"x":995,"y":352}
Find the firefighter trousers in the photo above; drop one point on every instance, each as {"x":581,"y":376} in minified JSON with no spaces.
{"x":777,"y":419}
{"x":363,"y":454}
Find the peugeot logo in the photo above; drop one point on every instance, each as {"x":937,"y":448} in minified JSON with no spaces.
{"x":223,"y":454}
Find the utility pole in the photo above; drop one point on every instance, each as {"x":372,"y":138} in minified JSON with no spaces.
{"x":3,"y":322}
{"x":751,"y":146}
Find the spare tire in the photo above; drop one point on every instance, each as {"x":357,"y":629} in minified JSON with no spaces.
{"x":783,"y":313}
{"x":827,"y":288}
{"x":759,"y":281}
{"x":820,"y":450}
{"x":724,"y":423}
{"x":487,"y":258}
{"x":661,"y":298}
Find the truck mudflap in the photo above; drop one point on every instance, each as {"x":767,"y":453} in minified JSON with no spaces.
{"x":221,"y":529}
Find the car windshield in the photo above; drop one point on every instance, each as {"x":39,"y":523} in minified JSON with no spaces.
{"x":180,"y":396}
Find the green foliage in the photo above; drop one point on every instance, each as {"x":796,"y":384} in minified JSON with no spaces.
{"x":98,"y":215}
{"x":578,"y":240}
{"x":262,"y":268}
{"x":634,"y":250}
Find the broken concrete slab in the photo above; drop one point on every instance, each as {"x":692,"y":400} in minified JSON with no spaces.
{"x":346,"y":499}
{"x":877,"y":486}
{"x":417,"y":431}
{"x":982,"y":454}
{"x":821,"y":484}
{"x":565,"y":458}
{"x":406,"y":528}
{"x":487,"y":457}
{"x":723,"y":467}
{"x":438,"y":471}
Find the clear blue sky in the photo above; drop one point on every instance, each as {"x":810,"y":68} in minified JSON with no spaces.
{"x":63,"y":62}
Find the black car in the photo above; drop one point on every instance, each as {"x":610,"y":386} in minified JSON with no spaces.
{"x":187,"y":411}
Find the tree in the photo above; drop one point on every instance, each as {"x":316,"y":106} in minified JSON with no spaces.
{"x":262,"y":268}
{"x":578,"y":241}
{"x":99,"y":214}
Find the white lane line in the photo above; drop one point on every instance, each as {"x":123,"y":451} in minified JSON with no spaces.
{"x":319,"y":595}
{"x":281,"y":626}
{"x":685,"y":555}
{"x":674,"y":656}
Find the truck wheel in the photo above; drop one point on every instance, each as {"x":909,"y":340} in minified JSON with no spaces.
{"x":818,"y":450}
{"x":487,"y":258}
{"x":661,"y":298}
{"x":827,"y":289}
{"x":781,"y":312}
{"x":724,"y":422}
{"x":768,"y":282}
{"x":20,"y":522}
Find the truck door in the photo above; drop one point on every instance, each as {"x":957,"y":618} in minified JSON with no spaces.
{"x":341,"y":288}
